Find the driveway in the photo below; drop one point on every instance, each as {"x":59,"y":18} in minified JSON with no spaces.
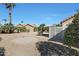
{"x":21,"y":44}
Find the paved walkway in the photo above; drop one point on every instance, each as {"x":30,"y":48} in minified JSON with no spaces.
{"x":21,"y":44}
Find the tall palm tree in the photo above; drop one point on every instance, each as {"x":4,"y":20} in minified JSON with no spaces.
{"x":9,"y":6}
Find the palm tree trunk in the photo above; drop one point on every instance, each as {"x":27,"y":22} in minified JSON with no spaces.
{"x":10,"y":15}
{"x":10,"y":18}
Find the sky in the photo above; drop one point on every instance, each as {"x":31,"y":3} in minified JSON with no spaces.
{"x":39,"y":13}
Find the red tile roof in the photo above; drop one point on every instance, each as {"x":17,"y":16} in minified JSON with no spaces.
{"x":19,"y":25}
{"x":29,"y":25}
{"x":25,"y":25}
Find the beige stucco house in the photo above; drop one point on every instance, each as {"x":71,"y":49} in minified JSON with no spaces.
{"x":57,"y":32}
{"x":29,"y":27}
{"x":19,"y":25}
{"x":67,"y":21}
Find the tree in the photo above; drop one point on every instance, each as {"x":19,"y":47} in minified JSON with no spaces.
{"x":9,"y":6}
{"x":71,"y":35}
{"x":47,"y":28}
{"x":41,"y":27}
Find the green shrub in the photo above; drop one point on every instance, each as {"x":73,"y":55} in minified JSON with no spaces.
{"x":21,"y":29}
{"x":71,"y":35}
{"x":17,"y":29}
{"x":7,"y":28}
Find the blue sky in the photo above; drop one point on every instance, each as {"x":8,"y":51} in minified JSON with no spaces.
{"x":38,"y":13}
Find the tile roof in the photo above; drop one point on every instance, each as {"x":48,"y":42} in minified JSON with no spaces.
{"x":29,"y":25}
{"x":25,"y":25}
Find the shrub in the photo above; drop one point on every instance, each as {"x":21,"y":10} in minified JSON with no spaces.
{"x":71,"y":35}
{"x":7,"y":28}
{"x":17,"y":29}
{"x":21,"y":29}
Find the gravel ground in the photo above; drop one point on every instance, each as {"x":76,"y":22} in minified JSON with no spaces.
{"x":21,"y":44}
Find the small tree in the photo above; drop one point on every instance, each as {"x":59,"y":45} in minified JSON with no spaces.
{"x":41,"y":29}
{"x":47,"y":28}
{"x":71,"y":35}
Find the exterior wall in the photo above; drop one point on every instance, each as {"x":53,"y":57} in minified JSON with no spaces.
{"x":55,"y":32}
{"x":30,"y":28}
{"x":51,"y":31}
{"x":66,"y":23}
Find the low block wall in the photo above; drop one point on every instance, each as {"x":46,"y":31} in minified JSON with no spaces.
{"x":56,"y":33}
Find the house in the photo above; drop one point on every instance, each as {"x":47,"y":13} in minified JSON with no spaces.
{"x":29,"y":27}
{"x":57,"y":32}
{"x":19,"y":25}
{"x":67,"y":21}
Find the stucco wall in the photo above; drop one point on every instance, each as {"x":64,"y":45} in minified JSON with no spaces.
{"x":66,"y":23}
{"x":56,"y":33}
{"x":31,"y":29}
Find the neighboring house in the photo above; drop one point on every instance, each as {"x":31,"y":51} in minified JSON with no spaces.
{"x":29,"y":27}
{"x":19,"y":25}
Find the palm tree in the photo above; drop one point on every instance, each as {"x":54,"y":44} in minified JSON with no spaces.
{"x":9,"y":6}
